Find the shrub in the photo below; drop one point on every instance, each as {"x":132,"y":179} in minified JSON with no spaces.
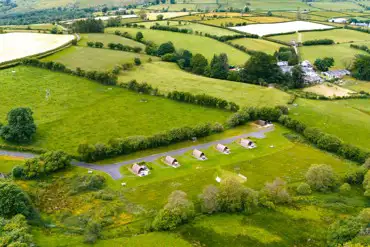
{"x":92,"y":232}
{"x":366,"y":184}
{"x":231,"y":195}
{"x":345,"y":189}
{"x":165,"y":48}
{"x":87,"y":183}
{"x":177,"y":211}
{"x":139,"y":36}
{"x":277,"y":191}
{"x":15,"y":232}
{"x":304,"y":189}
{"x":13,"y":201}
{"x":343,"y":231}
{"x":321,"y":177}
{"x":137,"y":61}
{"x":356,"y":176}
{"x":210,"y":199}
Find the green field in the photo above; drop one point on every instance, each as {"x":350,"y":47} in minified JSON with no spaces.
{"x":338,"y":35}
{"x":174,"y":7}
{"x":196,"y":44}
{"x":347,"y":119}
{"x":82,"y":110}
{"x":269,"y":5}
{"x":168,"y":77}
{"x":337,"y":6}
{"x":286,"y":160}
{"x":108,"y":38}
{"x":258,"y":45}
{"x":343,"y":54}
{"x":356,"y":85}
{"x":7,"y":163}
{"x":94,"y":58}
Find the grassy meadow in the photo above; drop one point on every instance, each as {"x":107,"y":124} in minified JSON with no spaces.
{"x":80,"y":110}
{"x":338,"y":6}
{"x":196,"y":44}
{"x":168,"y":77}
{"x":338,"y":35}
{"x":347,"y":119}
{"x":356,"y":85}
{"x":7,"y":163}
{"x":258,"y":45}
{"x":275,"y":156}
{"x":343,"y":54}
{"x":95,"y":58}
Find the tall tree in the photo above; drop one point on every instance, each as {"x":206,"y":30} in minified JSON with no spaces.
{"x":21,"y":126}
{"x":219,"y":67}
{"x":199,"y":64}
{"x":361,"y":68}
{"x":297,"y":77}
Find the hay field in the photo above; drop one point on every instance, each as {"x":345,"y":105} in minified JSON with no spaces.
{"x":194,"y":43}
{"x":12,"y":45}
{"x":168,"y":77}
{"x":265,"y":29}
{"x":329,"y":90}
{"x":338,"y":35}
{"x":94,"y":58}
{"x":81,"y":110}
{"x":258,"y":45}
{"x":266,"y":19}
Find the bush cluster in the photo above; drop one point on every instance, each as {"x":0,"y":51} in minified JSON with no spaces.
{"x":120,"y":47}
{"x":361,"y":47}
{"x":106,"y":78}
{"x":13,"y":201}
{"x":15,"y":232}
{"x":86,"y":183}
{"x":318,"y":42}
{"x":252,"y":113}
{"x":325,"y":141}
{"x":45,"y":164}
{"x":95,"y":44}
{"x":140,"y":88}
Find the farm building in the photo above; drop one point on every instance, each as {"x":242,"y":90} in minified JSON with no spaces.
{"x":199,"y":154}
{"x":171,"y":161}
{"x":140,"y":170}
{"x":336,"y":74}
{"x":223,"y":149}
{"x":310,"y":74}
{"x":247,"y":143}
{"x":338,"y":20}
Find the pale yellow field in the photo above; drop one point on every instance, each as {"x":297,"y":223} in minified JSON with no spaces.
{"x":166,"y":15}
{"x":19,"y":45}
{"x":266,"y":19}
{"x":329,"y":90}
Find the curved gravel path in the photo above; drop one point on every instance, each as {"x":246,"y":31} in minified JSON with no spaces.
{"x":114,"y":169}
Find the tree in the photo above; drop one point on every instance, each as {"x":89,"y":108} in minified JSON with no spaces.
{"x":166,"y":48}
{"x":343,"y":230}
{"x":324,"y":64}
{"x":277,"y":191}
{"x":139,"y":36}
{"x":92,"y":232}
{"x":15,"y":232}
{"x":304,"y":189}
{"x":142,"y":14}
{"x":219,"y":67}
{"x":321,"y":177}
{"x":231,"y":194}
{"x":366,"y":184}
{"x":177,"y":211}
{"x":13,"y":201}
{"x":199,"y":64}
{"x":54,"y":30}
{"x":160,"y":17}
{"x":209,"y":199}
{"x":361,"y":68}
{"x":261,"y":66}
{"x":297,"y":77}
{"x":21,"y":126}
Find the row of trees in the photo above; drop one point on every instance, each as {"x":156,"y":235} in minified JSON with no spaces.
{"x":121,"y":47}
{"x":318,"y":42}
{"x":106,"y":78}
{"x":360,"y":47}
